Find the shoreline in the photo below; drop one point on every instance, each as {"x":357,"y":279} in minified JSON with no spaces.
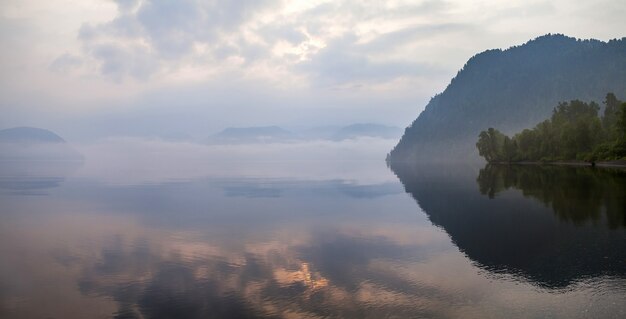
{"x":611,"y":164}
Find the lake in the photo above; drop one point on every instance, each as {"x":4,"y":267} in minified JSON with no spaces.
{"x":331,"y":237}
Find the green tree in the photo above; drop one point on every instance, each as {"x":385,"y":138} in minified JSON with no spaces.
{"x":618,"y":150}
{"x":610,"y":117}
{"x":491,"y":145}
{"x":574,"y":131}
{"x":484,"y":146}
{"x":621,"y":121}
{"x":509,"y":149}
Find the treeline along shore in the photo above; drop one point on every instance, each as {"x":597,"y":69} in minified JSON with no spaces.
{"x":575,"y":134}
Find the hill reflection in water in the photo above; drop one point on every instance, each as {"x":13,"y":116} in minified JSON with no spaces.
{"x":551,"y":225}
{"x":284,"y":242}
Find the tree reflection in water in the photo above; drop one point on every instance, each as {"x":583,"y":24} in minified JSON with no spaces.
{"x":553,"y":233}
{"x":576,"y":194}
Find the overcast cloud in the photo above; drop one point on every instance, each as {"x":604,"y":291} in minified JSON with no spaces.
{"x":94,"y":68}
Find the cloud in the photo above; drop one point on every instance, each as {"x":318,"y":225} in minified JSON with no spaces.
{"x":290,"y":32}
{"x":126,"y":5}
{"x":65,"y":63}
{"x":315,"y":42}
{"x":171,"y":27}
{"x":346,"y":61}
{"x":167,"y":34}
{"x":118,"y":61}
{"x":408,"y":35}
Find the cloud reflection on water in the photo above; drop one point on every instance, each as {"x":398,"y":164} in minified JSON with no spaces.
{"x":337,"y":244}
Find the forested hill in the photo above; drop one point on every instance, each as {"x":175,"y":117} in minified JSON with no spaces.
{"x":512,"y":89}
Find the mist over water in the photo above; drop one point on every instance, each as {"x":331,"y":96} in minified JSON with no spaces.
{"x":311,"y":159}
{"x":153,"y":229}
{"x":134,"y":160}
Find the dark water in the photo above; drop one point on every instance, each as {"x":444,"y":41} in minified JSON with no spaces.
{"x":425,"y":242}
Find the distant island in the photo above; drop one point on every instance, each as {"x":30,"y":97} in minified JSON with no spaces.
{"x":574,"y":132}
{"x":259,"y":134}
{"x":29,"y":135}
{"x":276,"y":134}
{"x":31,"y":143}
{"x":511,"y":89}
{"x":367,"y":130}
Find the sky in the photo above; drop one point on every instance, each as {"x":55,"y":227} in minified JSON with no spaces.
{"x":89,"y":69}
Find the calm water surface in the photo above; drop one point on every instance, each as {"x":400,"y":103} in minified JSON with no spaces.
{"x":313,"y":239}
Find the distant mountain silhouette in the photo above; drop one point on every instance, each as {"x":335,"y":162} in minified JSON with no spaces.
{"x":274,"y":134}
{"x":325,"y":132}
{"x":30,"y":143}
{"x":511,"y":90}
{"x":258,"y":134}
{"x":29,"y":135}
{"x":367,"y":130}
